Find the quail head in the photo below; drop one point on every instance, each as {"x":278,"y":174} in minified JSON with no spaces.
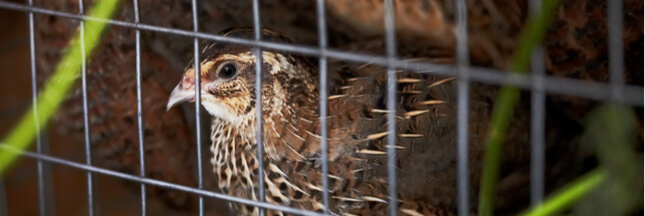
{"x":357,"y":128}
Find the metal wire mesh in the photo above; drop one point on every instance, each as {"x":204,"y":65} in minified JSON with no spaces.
{"x":537,"y":82}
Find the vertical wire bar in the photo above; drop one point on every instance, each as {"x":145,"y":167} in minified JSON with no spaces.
{"x":322,"y":41}
{"x":88,"y":153}
{"x":198,"y":103}
{"x":39,"y":144}
{"x":4,"y":211}
{"x":390,"y":41}
{"x":48,"y":177}
{"x":88,"y":150}
{"x":537,"y":117}
{"x":258,"y":105}
{"x":463,"y":88}
{"x":616,"y":67}
{"x":142,"y":161}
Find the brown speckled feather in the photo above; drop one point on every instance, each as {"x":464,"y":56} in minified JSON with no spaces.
{"x":357,"y":122}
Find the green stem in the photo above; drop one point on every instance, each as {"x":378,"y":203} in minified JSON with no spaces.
{"x":58,"y":85}
{"x":569,"y":194}
{"x":503,"y":109}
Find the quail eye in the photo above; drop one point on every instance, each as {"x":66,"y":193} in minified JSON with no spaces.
{"x":228,"y":71}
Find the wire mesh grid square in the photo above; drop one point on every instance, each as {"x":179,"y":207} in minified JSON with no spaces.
{"x":537,"y":82}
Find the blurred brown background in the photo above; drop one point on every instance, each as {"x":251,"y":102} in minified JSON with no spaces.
{"x":69,"y":194}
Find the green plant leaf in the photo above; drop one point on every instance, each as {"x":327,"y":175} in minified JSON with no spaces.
{"x":503,"y":109}
{"x":54,"y":91}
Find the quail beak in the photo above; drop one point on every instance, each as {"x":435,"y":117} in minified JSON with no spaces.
{"x":179,"y":95}
{"x":185,"y":90}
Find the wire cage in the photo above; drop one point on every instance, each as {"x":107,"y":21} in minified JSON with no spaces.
{"x":537,"y":82}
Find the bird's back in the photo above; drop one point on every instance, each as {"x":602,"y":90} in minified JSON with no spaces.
{"x":426,"y":136}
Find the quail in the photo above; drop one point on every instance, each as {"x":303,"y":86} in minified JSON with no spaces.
{"x":357,"y":125}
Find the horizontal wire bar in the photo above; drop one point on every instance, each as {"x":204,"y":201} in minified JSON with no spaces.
{"x":632,"y":95}
{"x":149,"y":181}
